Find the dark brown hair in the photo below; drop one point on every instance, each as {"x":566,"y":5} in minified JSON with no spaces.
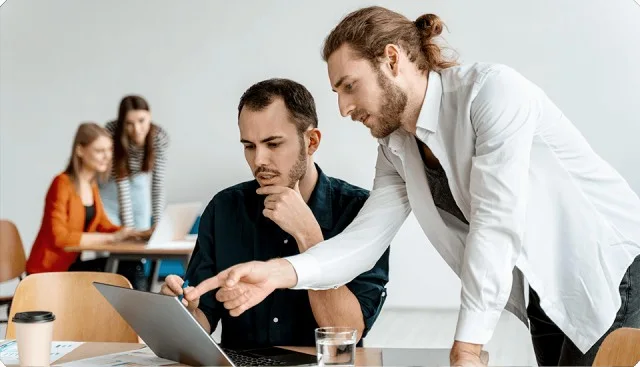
{"x":121,"y":139}
{"x":297,"y":99}
{"x":370,"y":29}
{"x":87,"y":133}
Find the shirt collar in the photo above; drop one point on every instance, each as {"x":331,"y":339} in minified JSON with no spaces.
{"x":321,"y":199}
{"x":430,"y":112}
{"x":428,"y":117}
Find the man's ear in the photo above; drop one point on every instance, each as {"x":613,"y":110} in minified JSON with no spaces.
{"x":392,"y":58}
{"x":315,"y":136}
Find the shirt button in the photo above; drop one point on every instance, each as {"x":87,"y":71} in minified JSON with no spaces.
{"x":275,"y":319}
{"x":286,"y":240}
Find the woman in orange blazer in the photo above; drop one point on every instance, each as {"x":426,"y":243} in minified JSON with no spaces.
{"x":73,"y":211}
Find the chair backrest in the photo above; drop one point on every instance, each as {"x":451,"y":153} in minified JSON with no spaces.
{"x":82,"y":313}
{"x":13,"y":259}
{"x":620,"y":348}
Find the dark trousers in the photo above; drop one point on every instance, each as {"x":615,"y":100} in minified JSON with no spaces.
{"x":553,"y":348}
{"x":133,"y":270}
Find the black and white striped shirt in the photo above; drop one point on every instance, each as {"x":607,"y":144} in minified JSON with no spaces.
{"x":136,"y":158}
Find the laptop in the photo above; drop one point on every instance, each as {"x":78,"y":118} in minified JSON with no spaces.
{"x":172,"y":333}
{"x":174,"y":225}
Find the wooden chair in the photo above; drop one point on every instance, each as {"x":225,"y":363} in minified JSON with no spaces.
{"x":620,"y":348}
{"x":13,"y":260}
{"x":82,"y":313}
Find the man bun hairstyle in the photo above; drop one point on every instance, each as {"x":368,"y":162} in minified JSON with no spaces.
{"x":369,"y":30}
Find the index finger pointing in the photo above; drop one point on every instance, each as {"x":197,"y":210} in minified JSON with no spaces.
{"x":205,"y":286}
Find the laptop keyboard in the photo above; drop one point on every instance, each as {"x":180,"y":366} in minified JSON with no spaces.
{"x":240,"y":359}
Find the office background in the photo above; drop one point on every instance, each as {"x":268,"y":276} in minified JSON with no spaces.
{"x":67,"y":61}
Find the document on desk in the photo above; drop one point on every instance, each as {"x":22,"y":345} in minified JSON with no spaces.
{"x":138,"y":357}
{"x":9,"y":351}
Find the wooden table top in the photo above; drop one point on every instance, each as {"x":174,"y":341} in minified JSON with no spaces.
{"x":133,"y":248}
{"x":364,"y":356}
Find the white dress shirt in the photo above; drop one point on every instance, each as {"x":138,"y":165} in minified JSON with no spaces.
{"x":535,"y":194}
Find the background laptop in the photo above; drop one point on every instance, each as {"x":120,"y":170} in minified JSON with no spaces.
{"x":174,"y":225}
{"x":167,"y":327}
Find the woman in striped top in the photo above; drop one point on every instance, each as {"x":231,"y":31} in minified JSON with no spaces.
{"x":134,"y":196}
{"x":136,"y":191}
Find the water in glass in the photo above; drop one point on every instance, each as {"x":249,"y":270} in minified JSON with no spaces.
{"x":336,"y":351}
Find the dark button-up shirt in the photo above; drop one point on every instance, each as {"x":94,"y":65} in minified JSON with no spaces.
{"x":233,"y":230}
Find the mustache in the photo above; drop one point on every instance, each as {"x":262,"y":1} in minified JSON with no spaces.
{"x":263,"y":169}
{"x":357,"y":115}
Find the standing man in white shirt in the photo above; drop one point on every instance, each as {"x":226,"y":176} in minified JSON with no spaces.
{"x":500,"y":181}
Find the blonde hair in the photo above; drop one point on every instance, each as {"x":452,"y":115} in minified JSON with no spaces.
{"x":87,"y":133}
{"x":370,"y":29}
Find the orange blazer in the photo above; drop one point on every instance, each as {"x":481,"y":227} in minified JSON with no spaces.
{"x":63,"y":225}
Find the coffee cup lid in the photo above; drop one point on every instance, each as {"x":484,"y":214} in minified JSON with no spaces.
{"x":32,"y":317}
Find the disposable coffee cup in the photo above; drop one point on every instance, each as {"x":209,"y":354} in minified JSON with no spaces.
{"x":34,"y":331}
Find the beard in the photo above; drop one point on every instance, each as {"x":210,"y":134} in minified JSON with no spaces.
{"x":298,"y":170}
{"x":394,"y":102}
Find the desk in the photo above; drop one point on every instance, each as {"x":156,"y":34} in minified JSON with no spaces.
{"x":364,"y":356}
{"x":137,"y":251}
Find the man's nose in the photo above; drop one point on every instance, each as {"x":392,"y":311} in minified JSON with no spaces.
{"x":261,"y":158}
{"x":345,"y":105}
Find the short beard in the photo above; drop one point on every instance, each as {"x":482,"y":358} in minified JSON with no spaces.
{"x":394,"y":102}
{"x":299,"y":169}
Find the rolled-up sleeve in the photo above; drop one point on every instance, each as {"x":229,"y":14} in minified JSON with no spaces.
{"x":370,"y":290}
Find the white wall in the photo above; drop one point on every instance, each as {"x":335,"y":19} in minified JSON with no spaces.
{"x":66,"y":61}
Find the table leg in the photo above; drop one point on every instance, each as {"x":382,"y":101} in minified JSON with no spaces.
{"x":153,"y":274}
{"x":112,"y":264}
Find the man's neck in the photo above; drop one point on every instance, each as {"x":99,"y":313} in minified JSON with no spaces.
{"x":415,"y":98}
{"x":308,"y":182}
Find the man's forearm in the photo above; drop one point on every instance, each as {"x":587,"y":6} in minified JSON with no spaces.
{"x":282,"y":274}
{"x":333,"y":307}
{"x":309,"y":237}
{"x":337,"y":307}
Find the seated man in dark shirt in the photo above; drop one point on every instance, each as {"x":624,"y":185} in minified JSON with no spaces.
{"x":289,"y":207}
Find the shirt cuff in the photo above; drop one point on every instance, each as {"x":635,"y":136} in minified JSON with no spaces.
{"x":476,"y":327}
{"x":307,"y":270}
